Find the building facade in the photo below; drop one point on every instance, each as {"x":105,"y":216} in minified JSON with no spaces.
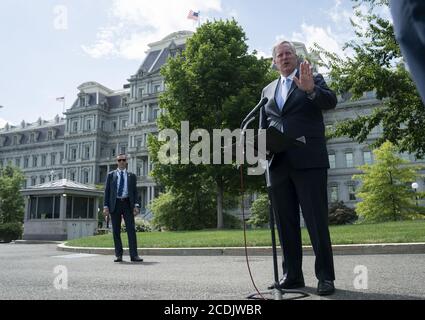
{"x":103,"y":123}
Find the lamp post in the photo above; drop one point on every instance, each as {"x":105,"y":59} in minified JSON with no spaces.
{"x":415,"y":187}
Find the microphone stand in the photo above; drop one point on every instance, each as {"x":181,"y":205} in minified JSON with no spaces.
{"x":277,"y":292}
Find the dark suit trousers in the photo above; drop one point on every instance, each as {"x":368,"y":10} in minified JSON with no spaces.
{"x":122,"y":209}
{"x":308,"y":188}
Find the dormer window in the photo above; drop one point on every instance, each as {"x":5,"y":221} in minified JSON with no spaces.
{"x":50,"y":135}
{"x":83,"y":101}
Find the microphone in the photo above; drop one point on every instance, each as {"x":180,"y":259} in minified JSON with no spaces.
{"x":257,"y":107}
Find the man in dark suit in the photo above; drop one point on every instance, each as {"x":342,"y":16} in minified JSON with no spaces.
{"x":120,"y":200}
{"x":409,"y":28}
{"x":299,"y":176}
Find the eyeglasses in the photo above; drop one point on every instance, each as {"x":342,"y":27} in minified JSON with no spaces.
{"x":122,"y":160}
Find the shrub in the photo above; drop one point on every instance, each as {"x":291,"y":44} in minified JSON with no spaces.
{"x":180,"y":212}
{"x":340,"y":214}
{"x":10,"y":231}
{"x":260,"y":213}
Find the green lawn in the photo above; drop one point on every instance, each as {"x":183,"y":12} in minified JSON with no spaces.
{"x":392,"y":232}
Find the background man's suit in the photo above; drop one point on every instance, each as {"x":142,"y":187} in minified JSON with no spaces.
{"x":125,"y":208}
{"x":299,"y":176}
{"x":409,"y":28}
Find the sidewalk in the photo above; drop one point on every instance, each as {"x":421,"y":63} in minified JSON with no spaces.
{"x":364,"y":249}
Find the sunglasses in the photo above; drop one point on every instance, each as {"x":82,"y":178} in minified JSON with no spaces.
{"x":122,"y":160}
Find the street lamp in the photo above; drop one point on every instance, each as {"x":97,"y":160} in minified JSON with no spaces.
{"x":415,"y":187}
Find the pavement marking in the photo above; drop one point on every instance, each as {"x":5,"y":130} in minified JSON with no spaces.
{"x":76,"y":256}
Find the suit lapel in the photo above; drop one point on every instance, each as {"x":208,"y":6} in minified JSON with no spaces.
{"x":114,"y":181}
{"x":128,"y":182}
{"x":275,"y":86}
{"x":293,"y":88}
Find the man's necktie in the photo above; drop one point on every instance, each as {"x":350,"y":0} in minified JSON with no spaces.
{"x":285,"y":90}
{"x":121,"y":185}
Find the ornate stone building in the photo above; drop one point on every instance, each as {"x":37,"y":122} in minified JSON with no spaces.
{"x":103,"y":123}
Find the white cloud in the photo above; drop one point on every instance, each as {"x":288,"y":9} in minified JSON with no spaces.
{"x":136,"y":23}
{"x":2,"y":123}
{"x":310,"y":34}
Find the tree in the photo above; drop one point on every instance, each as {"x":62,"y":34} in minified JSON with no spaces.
{"x":11,"y":200}
{"x":386,"y":190}
{"x":377,"y":65}
{"x":213,"y":84}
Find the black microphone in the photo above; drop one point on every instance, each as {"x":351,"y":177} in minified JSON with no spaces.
{"x":257,"y":107}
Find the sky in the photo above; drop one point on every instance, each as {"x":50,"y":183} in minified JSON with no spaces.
{"x":50,"y":47}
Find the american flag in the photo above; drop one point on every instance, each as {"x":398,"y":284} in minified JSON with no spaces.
{"x":193,"y":15}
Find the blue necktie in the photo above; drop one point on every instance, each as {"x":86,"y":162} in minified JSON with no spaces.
{"x":285,"y":90}
{"x":121,"y":186}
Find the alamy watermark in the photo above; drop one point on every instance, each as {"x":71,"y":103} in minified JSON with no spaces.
{"x":361,"y":280}
{"x":60,"y":21}
{"x":61,"y":280}
{"x":237,"y":146}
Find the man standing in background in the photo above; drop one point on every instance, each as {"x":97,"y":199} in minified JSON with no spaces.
{"x":120,"y":201}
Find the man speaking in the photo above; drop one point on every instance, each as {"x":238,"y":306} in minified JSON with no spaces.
{"x":299,"y":176}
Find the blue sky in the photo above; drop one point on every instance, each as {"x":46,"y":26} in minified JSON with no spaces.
{"x":50,"y":47}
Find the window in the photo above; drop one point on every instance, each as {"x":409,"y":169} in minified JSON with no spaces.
{"x":332,"y":161}
{"x":50,"y":135}
{"x":26,"y":162}
{"x":86,"y":152}
{"x":72,"y":176}
{"x":352,"y":193}
{"x":349,"y":160}
{"x":79,"y":208}
{"x":42,"y":179}
{"x":61,"y":158}
{"x":15,"y":140}
{"x":82,"y":101}
{"x":140,"y":116}
{"x":88,"y":125}
{"x":75,"y":126}
{"x":334,"y":194}
{"x":113,"y":152}
{"x":33,"y":181}
{"x":114,"y":125}
{"x":44,"y":207}
{"x":102,"y":125}
{"x":124,"y":124}
{"x":73,"y":154}
{"x":43,"y":160}
{"x":32,"y":137}
{"x":18,"y":162}
{"x":34,"y":161}
{"x":53,"y":159}
{"x":155,"y":114}
{"x":123,"y":149}
{"x":157,"y":88}
{"x":367,"y":157}
{"x":86,"y":177}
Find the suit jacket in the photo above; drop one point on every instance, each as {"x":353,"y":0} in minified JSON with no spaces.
{"x":110,"y":196}
{"x":300,"y":116}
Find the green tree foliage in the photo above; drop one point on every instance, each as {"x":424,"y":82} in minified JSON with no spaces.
{"x":260,"y":214}
{"x":386,"y":191}
{"x":377,"y":65}
{"x":11,"y":200}
{"x":213,"y":84}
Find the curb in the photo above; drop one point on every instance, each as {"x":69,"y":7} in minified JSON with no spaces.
{"x":354,"y":249}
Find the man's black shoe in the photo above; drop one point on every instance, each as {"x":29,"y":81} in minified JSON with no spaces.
{"x":118,"y":259}
{"x":286,"y":283}
{"x":325,"y":287}
{"x":136,"y":259}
